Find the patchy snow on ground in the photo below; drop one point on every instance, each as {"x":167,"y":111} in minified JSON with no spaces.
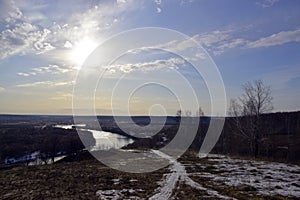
{"x":178,"y":173}
{"x":117,"y":194}
{"x":218,"y":177}
{"x":269,"y":178}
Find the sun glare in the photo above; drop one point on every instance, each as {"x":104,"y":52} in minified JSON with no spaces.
{"x":82,"y":50}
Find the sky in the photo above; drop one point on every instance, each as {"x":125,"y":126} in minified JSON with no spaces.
{"x":44,"y":45}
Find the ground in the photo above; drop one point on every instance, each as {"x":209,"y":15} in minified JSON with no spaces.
{"x":190,"y":177}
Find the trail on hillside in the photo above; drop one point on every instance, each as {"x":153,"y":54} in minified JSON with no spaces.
{"x":179,"y":174}
{"x":217,"y":177}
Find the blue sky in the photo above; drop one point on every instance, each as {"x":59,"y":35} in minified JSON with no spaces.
{"x":43,"y":44}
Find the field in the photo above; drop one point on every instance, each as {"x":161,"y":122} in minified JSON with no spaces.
{"x":214,"y":177}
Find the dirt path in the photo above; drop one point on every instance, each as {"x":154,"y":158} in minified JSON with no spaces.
{"x":179,"y":174}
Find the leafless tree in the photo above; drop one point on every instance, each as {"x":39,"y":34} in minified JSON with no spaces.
{"x":199,"y":112}
{"x":178,"y":115}
{"x":247,"y":110}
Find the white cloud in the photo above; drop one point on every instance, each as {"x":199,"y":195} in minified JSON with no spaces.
{"x":23,"y":38}
{"x":68,"y":44}
{"x":176,"y":46}
{"x":217,"y":42}
{"x":9,"y":12}
{"x":53,"y":69}
{"x":19,"y":35}
{"x":200,"y":55}
{"x":267,"y":3}
{"x":62,"y":96}
{"x":276,"y":39}
{"x":233,"y":43}
{"x":94,"y":20}
{"x":2,"y":89}
{"x":45,"y":84}
{"x":158,"y":10}
{"x":23,"y":74}
{"x":121,"y":1}
{"x":158,"y":2}
{"x":147,"y":66}
{"x":50,"y":69}
{"x":210,"y":38}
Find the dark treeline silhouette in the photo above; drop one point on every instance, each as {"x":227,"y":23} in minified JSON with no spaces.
{"x":279,"y":139}
{"x":19,"y":140}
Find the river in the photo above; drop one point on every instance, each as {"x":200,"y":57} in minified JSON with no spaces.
{"x":104,"y":140}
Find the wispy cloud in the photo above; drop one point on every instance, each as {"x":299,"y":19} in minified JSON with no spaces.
{"x":233,"y":43}
{"x":276,"y":39}
{"x":172,"y":46}
{"x":23,"y":74}
{"x":147,"y":66}
{"x":2,"y":89}
{"x":177,"y":46}
{"x":214,"y":37}
{"x":50,"y":69}
{"x":266,"y":3}
{"x":218,"y":41}
{"x":62,"y":96}
{"x":45,"y":84}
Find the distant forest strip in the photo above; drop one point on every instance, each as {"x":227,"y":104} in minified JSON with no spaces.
{"x":279,"y":138}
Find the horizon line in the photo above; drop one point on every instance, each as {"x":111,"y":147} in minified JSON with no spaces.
{"x":70,"y":115}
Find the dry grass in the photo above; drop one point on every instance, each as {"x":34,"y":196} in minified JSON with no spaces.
{"x":81,"y":179}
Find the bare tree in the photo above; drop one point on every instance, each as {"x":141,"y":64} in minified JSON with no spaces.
{"x":178,"y":115}
{"x":199,"y":112}
{"x":247,"y":111}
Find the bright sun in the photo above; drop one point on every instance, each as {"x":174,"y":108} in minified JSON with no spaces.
{"x":81,"y":50}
